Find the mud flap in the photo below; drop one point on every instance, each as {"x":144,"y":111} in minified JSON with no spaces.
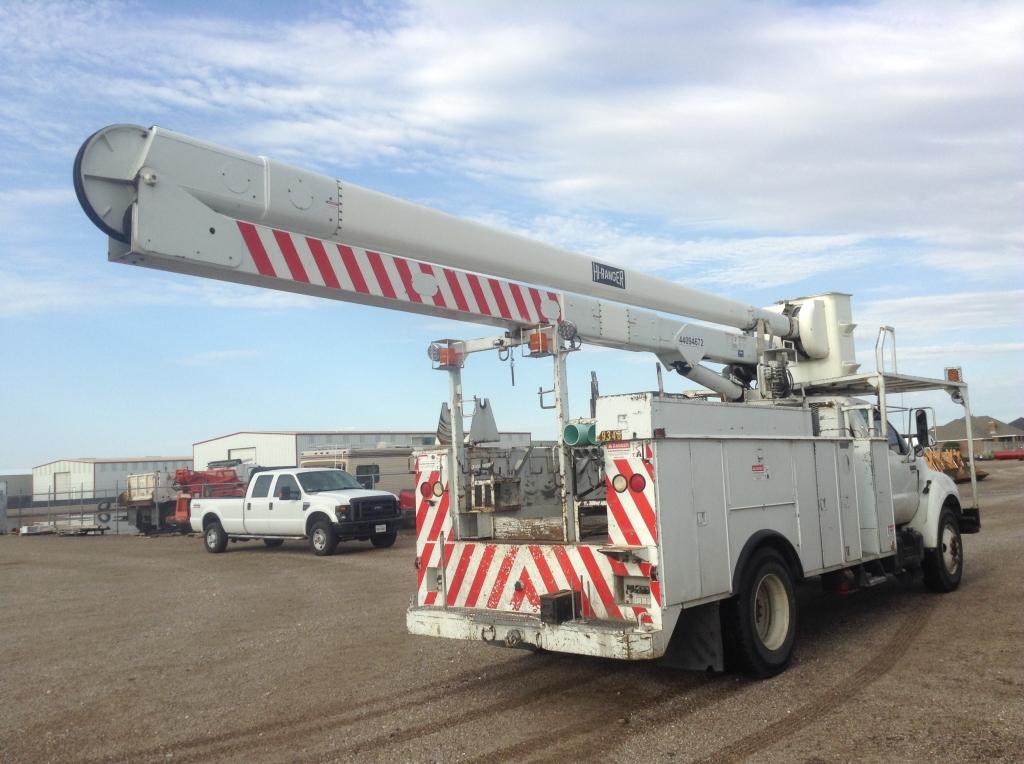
{"x":696,"y":642}
{"x":970,"y":520}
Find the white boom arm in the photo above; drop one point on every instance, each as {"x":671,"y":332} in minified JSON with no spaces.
{"x":175,"y":203}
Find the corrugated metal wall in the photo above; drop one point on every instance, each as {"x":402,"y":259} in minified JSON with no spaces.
{"x":68,"y":478}
{"x":272,"y":449}
{"x":62,"y":476}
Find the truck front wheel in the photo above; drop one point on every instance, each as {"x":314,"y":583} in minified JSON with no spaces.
{"x":759,"y":623}
{"x":323,"y":539}
{"x":943,"y":566}
{"x":214,"y":538}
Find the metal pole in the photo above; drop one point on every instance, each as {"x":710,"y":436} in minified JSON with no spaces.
{"x":969,"y":432}
{"x":457,"y":455}
{"x":570,"y":524}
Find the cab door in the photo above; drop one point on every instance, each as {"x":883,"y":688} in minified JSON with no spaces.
{"x":288,"y":511}
{"x":257,"y":513}
{"x":903,"y":470}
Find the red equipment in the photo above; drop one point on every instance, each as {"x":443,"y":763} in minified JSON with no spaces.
{"x":203,"y":483}
{"x":1009,"y":455}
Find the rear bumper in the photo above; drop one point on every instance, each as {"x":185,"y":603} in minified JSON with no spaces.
{"x":602,"y":639}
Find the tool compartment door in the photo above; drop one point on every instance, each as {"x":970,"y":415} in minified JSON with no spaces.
{"x":828,"y":504}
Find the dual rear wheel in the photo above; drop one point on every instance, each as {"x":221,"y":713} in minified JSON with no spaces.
{"x":759,"y":623}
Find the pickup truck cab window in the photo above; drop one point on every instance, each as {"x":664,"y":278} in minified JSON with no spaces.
{"x":327,"y":480}
{"x":287,"y":487}
{"x":261,"y":488}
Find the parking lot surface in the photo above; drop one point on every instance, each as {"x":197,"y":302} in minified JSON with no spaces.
{"x":150,"y":649}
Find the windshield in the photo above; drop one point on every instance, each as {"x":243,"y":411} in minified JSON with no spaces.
{"x":327,"y":480}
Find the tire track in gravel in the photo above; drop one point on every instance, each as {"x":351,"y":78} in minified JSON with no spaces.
{"x":369,"y":708}
{"x":594,"y":733}
{"x":559,"y":686}
{"x":881,"y":664}
{"x":300,"y":733}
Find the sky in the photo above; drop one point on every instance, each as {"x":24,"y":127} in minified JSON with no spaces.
{"x":755,"y":150}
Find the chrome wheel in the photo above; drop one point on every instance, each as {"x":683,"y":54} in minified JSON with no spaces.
{"x":211,"y":537}
{"x":771,"y":611}
{"x":319,"y":539}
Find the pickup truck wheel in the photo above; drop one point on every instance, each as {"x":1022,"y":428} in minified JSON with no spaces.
{"x":215,"y":539}
{"x":943,"y":566}
{"x":384,"y":540}
{"x":759,"y":623}
{"x":323,"y":539}
{"x":273,"y":543}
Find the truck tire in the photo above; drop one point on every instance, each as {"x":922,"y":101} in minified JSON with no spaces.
{"x":273,"y":543}
{"x":759,"y":622}
{"x":943,"y":566}
{"x":323,"y":539}
{"x":214,"y":538}
{"x":384,"y":540}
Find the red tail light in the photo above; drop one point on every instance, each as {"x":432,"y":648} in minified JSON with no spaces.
{"x":637,"y":482}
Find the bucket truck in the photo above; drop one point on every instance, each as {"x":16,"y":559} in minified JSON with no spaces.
{"x":714,"y":509}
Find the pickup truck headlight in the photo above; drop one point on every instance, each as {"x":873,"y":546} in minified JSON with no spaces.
{"x":341,"y":511}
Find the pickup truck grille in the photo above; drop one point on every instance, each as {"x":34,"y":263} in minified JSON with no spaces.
{"x":373,"y":509}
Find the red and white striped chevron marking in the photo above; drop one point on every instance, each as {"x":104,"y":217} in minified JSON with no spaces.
{"x":632,"y":519}
{"x":511,"y":577}
{"x":384,"y":279}
{"x":432,"y":520}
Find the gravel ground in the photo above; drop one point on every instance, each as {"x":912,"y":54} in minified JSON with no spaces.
{"x":150,"y":649}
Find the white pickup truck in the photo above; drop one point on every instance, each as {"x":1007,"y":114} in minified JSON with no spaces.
{"x":323,"y":505}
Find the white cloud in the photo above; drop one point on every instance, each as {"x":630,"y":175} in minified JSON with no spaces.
{"x":942,"y":314}
{"x":883,"y":119}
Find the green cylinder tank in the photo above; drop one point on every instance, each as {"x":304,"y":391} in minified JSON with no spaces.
{"x":580,"y":434}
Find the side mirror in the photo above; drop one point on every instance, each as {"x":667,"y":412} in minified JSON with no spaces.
{"x":923,"y":432}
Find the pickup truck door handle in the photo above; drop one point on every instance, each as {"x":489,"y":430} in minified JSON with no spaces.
{"x":270,"y":505}
{"x":249,"y":505}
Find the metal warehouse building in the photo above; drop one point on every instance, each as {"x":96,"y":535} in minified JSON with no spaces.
{"x":282,"y":449}
{"x":89,"y":478}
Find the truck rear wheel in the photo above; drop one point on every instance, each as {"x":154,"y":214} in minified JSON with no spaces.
{"x":323,"y":539}
{"x":273,"y":543}
{"x":759,"y":622}
{"x":214,"y":538}
{"x":944,"y":566}
{"x":384,"y":540}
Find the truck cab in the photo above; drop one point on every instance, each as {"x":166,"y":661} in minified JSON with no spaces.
{"x":324,"y":506}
